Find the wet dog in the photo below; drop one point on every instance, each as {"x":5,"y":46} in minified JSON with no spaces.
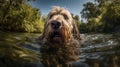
{"x":60,"y":39}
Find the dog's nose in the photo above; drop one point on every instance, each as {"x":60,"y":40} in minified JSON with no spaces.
{"x":55,"y":25}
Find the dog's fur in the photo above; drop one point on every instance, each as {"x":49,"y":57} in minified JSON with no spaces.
{"x":59,"y":51}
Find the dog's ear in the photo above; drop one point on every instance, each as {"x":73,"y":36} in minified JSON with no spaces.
{"x":75,"y":31}
{"x":45,"y":27}
{"x":44,"y":31}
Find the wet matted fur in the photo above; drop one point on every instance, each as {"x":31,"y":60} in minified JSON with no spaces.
{"x":62,"y":45}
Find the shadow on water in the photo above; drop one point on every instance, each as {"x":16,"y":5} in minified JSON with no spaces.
{"x":98,"y":50}
{"x":17,"y":49}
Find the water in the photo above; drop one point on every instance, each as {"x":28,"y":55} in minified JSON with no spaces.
{"x":97,"y":50}
{"x":17,"y":49}
{"x":101,"y":50}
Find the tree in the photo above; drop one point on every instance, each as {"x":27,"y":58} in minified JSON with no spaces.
{"x":6,"y":6}
{"x":90,"y":10}
{"x":18,"y":15}
{"x":77,"y":20}
{"x":102,"y":15}
{"x":111,"y":18}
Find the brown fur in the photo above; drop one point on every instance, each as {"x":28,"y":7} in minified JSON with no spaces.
{"x":66,"y":49}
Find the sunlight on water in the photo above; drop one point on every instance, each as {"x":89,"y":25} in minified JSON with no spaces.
{"x":101,"y":50}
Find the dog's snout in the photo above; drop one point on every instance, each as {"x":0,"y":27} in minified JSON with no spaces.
{"x":55,"y":24}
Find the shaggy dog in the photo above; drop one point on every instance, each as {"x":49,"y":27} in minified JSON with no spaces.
{"x":60,"y":39}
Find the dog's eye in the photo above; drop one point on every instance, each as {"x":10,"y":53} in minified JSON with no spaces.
{"x":51,"y":16}
{"x":65,"y":17}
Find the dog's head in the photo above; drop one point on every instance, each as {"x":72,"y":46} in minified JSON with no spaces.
{"x":60,"y":26}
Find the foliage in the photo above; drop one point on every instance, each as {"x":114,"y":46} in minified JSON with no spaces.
{"x":102,"y":15}
{"x":77,"y":20}
{"x":111,"y":18}
{"x":90,"y":10}
{"x":18,"y":15}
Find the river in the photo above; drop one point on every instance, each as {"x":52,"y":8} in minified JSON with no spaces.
{"x":97,"y":50}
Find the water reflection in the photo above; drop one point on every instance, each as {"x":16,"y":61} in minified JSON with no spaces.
{"x":101,"y":50}
{"x":12,"y":51}
{"x":98,"y":50}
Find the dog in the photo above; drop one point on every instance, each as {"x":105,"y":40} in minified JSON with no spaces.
{"x":60,"y":39}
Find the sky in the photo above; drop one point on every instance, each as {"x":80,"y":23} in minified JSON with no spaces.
{"x":74,"y":6}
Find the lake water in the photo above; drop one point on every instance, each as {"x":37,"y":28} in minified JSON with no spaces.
{"x":97,"y":50}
